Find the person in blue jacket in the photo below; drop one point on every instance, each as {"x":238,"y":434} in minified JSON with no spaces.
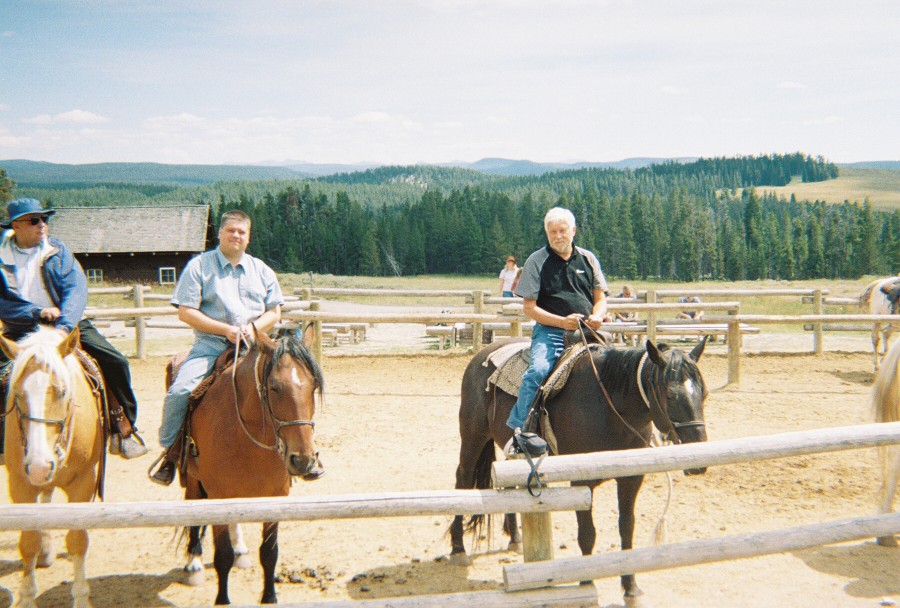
{"x":41,"y":282}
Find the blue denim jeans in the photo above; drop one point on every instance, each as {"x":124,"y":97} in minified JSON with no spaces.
{"x":547,"y":344}
{"x":195,"y":368}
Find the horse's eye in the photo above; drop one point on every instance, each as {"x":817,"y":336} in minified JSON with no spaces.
{"x":275,"y":387}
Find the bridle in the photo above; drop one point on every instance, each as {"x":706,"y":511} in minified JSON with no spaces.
{"x":65,"y":428}
{"x":671,"y":433}
{"x":261,"y":370}
{"x":655,"y":405}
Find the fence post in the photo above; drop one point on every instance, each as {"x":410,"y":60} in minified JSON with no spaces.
{"x":651,"y":316}
{"x":734,"y":349}
{"x":537,"y":537}
{"x":317,"y":327}
{"x":140,"y":324}
{"x":478,"y":299}
{"x":817,"y":326}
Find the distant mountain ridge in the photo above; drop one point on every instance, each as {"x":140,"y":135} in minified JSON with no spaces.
{"x":39,"y":173}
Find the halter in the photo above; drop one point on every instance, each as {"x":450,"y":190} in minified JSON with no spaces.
{"x":262,"y":392}
{"x":672,"y":433}
{"x":65,"y":429}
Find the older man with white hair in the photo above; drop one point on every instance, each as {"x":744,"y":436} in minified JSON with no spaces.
{"x":562,"y":286}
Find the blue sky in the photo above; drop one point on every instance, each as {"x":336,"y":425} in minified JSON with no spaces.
{"x":406,"y":81}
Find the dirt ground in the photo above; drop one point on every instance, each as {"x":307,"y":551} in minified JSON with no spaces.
{"x":389,"y":424}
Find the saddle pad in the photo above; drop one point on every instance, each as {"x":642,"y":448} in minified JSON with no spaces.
{"x":560,"y":374}
{"x":511,"y":362}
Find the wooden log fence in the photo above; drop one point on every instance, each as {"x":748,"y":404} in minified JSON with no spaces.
{"x":63,"y":516}
{"x":651,"y":309}
{"x":52,"y":516}
{"x":573,"y":596}
{"x":568,"y":570}
{"x":606,"y":465}
{"x":622,"y":463}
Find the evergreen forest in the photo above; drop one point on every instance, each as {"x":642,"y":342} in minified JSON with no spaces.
{"x":684,"y":221}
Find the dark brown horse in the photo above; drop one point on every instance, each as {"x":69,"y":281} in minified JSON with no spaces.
{"x":253,"y":432}
{"x":652,"y":386}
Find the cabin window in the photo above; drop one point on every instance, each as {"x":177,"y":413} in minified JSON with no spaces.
{"x":167,"y":276}
{"x":94,"y":275}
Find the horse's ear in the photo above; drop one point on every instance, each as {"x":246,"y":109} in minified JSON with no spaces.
{"x":263,"y":341}
{"x":654,"y":355}
{"x":309,"y":335}
{"x":698,"y":350}
{"x":69,"y":344}
{"x":9,"y":348}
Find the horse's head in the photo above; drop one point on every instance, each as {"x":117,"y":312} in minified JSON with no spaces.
{"x":42,"y":391}
{"x":681,"y":393}
{"x":292,"y":378}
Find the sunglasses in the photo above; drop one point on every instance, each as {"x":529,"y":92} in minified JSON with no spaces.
{"x":34,"y":221}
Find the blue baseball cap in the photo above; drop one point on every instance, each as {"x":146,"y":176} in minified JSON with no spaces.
{"x":24,"y":206}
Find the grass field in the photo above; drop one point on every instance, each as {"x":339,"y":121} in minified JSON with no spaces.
{"x":881,"y":186}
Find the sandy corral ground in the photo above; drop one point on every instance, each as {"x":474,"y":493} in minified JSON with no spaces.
{"x":389,"y":424}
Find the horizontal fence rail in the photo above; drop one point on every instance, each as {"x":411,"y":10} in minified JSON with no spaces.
{"x":646,"y":559}
{"x":623,"y":463}
{"x":63,"y":516}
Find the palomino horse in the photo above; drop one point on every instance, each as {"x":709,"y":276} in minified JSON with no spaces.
{"x":651,"y":386}
{"x":886,"y":406}
{"x":875,"y":302}
{"x":252,"y":432}
{"x":54,"y":439}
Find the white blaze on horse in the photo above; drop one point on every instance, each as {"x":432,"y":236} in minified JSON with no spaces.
{"x":886,"y":406}
{"x":54,"y":439}
{"x":874,"y":301}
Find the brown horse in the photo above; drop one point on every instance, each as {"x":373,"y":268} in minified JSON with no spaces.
{"x":640,"y":387}
{"x":54,"y":439}
{"x":886,"y":408}
{"x":873,"y":301}
{"x":253,"y":431}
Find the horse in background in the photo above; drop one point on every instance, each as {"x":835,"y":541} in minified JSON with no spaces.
{"x":252,"y":432}
{"x":873,"y":301}
{"x":640,"y":388}
{"x":886,"y":407}
{"x":54,"y":439}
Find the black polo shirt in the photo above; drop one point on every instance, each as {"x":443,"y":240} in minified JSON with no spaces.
{"x":562,"y":287}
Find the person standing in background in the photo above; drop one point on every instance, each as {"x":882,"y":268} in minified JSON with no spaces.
{"x":508,"y":277}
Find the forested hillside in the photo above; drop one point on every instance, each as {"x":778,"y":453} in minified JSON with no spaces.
{"x":675,"y":221}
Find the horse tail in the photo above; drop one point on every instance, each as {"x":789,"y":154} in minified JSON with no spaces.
{"x":483,"y":468}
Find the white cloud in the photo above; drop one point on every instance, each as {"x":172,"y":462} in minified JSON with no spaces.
{"x":789,"y":84}
{"x":669,"y":89}
{"x":73,"y":117}
{"x":4,"y":106}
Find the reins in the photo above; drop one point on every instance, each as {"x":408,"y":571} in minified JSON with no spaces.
{"x":602,"y":386}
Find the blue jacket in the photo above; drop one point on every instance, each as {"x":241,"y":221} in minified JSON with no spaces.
{"x":63,"y":278}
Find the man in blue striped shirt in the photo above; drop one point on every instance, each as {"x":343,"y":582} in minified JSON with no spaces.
{"x":220,"y":294}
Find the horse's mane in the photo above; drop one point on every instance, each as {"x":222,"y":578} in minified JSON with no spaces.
{"x":618,"y":367}
{"x":290,"y":344}
{"x":42,"y":346}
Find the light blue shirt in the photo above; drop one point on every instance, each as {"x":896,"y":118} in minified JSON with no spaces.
{"x":233,"y":294}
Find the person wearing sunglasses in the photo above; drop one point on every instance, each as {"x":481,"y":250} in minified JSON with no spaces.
{"x":42,"y":282}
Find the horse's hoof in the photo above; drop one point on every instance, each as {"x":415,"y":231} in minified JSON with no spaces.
{"x":460,"y":559}
{"x":515,"y":547}
{"x":886,"y":541}
{"x":636,"y":601}
{"x":195,"y":578}
{"x":45,"y":560}
{"x":242,"y":561}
